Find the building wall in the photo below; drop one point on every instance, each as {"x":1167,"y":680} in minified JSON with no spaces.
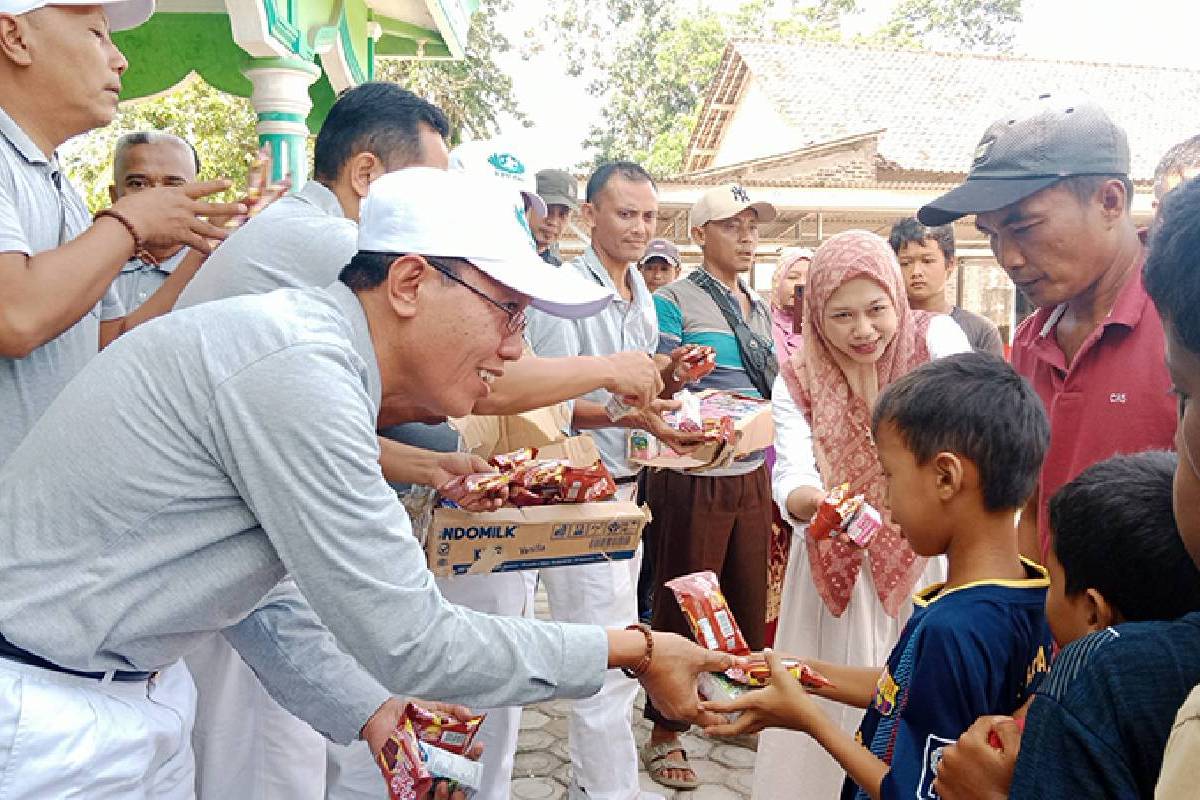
{"x":756,"y":129}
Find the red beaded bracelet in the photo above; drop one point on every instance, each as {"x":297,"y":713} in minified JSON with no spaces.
{"x":139,"y":247}
{"x":639,"y":669}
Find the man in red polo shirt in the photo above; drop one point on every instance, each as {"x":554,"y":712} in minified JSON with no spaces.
{"x":1051,"y":190}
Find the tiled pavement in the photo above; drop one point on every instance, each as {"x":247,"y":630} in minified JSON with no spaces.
{"x":542,"y":768}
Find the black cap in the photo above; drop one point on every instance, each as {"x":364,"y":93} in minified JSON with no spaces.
{"x":1023,"y":154}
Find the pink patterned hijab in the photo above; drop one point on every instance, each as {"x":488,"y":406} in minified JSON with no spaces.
{"x":836,"y":395}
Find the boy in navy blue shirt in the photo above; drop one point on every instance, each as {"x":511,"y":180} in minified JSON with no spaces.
{"x":1099,"y":722}
{"x":961,"y":441}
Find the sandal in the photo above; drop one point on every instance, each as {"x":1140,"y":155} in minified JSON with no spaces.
{"x":659,"y":761}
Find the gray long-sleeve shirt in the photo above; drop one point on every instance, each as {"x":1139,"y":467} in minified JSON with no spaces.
{"x":169,"y":488}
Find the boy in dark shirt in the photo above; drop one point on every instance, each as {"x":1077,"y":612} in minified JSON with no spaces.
{"x":1098,"y":724}
{"x":926,"y":257}
{"x":961,"y":440}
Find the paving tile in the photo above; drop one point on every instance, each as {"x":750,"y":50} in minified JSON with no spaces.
{"x":535,"y":740}
{"x":537,"y":789}
{"x":733,"y":757}
{"x":532,"y":718}
{"x":538,"y":764}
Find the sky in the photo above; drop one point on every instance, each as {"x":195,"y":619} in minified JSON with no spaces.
{"x":1156,"y":32}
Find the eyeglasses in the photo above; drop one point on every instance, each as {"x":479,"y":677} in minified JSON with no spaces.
{"x":516,"y":318}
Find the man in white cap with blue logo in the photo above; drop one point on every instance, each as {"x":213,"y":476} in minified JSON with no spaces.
{"x":248,"y":451}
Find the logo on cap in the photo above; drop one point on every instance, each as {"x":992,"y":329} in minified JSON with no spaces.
{"x":507,"y":162}
{"x":739,"y":194}
{"x":982,"y":150}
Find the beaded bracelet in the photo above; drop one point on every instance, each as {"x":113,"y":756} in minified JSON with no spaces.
{"x":642,"y":666}
{"x":139,"y":247}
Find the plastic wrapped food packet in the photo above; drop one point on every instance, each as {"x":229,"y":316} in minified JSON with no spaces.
{"x":410,"y":765}
{"x":442,"y":730}
{"x":489,"y":485}
{"x":588,"y":485}
{"x":616,"y":407}
{"x":758,"y":674}
{"x":696,"y":362}
{"x":707,"y":612}
{"x":720,"y":687}
{"x":510,"y":462}
{"x":827,"y":521}
{"x":862,"y":527}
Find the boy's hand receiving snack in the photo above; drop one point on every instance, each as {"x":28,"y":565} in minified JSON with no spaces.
{"x":783,"y":703}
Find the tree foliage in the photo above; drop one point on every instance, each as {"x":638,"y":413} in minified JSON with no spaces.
{"x":652,"y":60}
{"x":219,"y":126}
{"x":473,"y":92}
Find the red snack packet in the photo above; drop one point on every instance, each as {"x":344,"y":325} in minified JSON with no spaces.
{"x":828,"y":519}
{"x":588,"y":484}
{"x":696,"y":361}
{"x":509,"y":462}
{"x":400,"y":761}
{"x":708,"y":614}
{"x":759,"y":674}
{"x":443,"y":731}
{"x":718,"y":429}
{"x":994,"y":740}
{"x":534,"y":475}
{"x":490,"y":485}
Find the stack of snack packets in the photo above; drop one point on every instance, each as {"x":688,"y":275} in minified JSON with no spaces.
{"x":714,"y":627}
{"x":853,"y":516}
{"x":524,"y":480}
{"x":425,"y":747}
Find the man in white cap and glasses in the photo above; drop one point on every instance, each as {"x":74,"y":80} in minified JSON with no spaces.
{"x":249,"y":452}
{"x":1049,"y":186}
{"x":60,"y":75}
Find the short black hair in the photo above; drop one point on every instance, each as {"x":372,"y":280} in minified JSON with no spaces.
{"x":1172,"y":270}
{"x":910,"y":229}
{"x":135,"y":138}
{"x":1084,"y":187}
{"x":1114,"y":531}
{"x":1178,"y":161}
{"x":976,"y":406}
{"x":605,"y":172}
{"x":369,"y":268}
{"x":375,"y":117}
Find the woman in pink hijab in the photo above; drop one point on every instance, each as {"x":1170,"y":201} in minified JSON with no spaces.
{"x":791,"y":271}
{"x":842,"y":603}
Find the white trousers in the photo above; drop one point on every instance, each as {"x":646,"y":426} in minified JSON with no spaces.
{"x":791,"y":764}
{"x":247,"y":746}
{"x":604,"y":757}
{"x":352,"y":774}
{"x":66,"y":736}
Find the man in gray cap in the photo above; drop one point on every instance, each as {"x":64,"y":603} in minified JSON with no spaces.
{"x":559,"y":190}
{"x":1050,"y":188}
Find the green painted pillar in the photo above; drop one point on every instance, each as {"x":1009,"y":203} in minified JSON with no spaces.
{"x":281,"y":101}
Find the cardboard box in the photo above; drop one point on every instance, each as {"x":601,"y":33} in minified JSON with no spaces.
{"x":469,"y":543}
{"x":752,"y":433}
{"x":465,"y":543}
{"x":488,"y":435}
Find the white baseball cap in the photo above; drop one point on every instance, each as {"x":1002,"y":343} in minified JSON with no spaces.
{"x":122,"y":14}
{"x":723,"y":202}
{"x":436,"y":212}
{"x":499,"y":160}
